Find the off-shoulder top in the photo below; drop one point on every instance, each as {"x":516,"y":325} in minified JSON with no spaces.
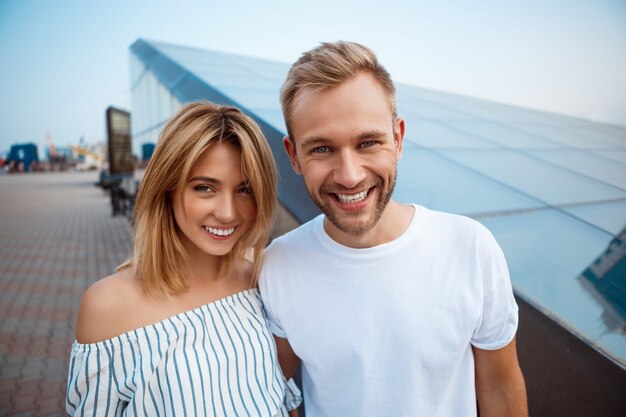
{"x":216,"y":360}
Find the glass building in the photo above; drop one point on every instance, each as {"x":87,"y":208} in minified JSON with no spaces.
{"x":551,"y":188}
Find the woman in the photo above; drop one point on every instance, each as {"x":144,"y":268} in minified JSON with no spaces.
{"x":179,"y":329}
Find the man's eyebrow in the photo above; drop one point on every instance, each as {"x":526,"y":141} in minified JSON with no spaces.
{"x":314,"y":140}
{"x":372,"y":134}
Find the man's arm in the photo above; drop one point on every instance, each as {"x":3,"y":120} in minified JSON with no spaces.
{"x":288,"y":362}
{"x":500,"y":387}
{"x":286,"y":357}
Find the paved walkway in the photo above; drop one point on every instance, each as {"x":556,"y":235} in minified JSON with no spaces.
{"x":57,"y":237}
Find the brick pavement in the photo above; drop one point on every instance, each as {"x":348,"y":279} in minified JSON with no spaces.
{"x":57,"y":237}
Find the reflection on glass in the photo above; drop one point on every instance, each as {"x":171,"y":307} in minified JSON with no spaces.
{"x":605,"y":279}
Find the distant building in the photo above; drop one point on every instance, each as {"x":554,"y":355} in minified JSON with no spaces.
{"x":22,"y":157}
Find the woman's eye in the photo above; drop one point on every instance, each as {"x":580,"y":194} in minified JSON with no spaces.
{"x":246,"y":190}
{"x":203,"y":188}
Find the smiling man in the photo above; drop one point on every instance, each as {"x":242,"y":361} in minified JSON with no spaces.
{"x":392,"y":309}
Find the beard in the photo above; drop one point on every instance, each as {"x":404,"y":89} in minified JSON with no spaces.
{"x":346,"y":222}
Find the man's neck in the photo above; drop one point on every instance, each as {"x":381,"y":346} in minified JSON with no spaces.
{"x":395,"y":219}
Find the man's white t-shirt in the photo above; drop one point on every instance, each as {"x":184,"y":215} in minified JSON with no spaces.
{"x":389,"y":330}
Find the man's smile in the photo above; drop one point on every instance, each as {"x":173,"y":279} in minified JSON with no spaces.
{"x":352,"y":198}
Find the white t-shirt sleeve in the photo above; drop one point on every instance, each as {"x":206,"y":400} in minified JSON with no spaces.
{"x":498,"y":323}
{"x":270,"y":295}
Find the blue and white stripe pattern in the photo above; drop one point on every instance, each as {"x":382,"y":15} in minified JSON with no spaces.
{"x":216,"y":360}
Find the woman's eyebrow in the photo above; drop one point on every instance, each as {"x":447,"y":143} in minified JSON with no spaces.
{"x":205,"y":179}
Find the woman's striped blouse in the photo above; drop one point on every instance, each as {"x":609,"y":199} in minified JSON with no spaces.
{"x":216,"y":360}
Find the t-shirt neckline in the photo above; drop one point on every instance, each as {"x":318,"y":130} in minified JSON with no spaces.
{"x":338,"y":249}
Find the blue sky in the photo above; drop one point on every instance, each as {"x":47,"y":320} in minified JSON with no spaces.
{"x":64,"y":62}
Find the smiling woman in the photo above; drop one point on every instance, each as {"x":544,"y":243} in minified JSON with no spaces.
{"x":179,"y":329}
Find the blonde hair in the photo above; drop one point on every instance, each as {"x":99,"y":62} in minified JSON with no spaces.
{"x":158,"y":255}
{"x":329,"y":65}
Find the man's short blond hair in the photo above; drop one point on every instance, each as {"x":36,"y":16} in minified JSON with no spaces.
{"x":327,"y":66}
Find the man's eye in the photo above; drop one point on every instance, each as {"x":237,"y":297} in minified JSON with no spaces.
{"x":320,"y":149}
{"x":368,"y":143}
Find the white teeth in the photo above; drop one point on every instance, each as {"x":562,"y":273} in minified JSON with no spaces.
{"x":353,"y":198}
{"x":219,"y":232}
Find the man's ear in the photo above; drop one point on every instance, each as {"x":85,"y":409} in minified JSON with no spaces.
{"x":290,"y":148}
{"x":398,"y":135}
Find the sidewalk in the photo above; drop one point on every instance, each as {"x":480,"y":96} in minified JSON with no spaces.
{"x":57,"y":237}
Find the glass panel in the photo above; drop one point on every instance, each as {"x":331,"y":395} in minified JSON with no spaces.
{"x":254,"y":98}
{"x":615,"y":155}
{"x":609,"y":135}
{"x":588,"y":164}
{"x":137,"y":70}
{"x":193,"y":58}
{"x":507,"y":136}
{"x":434,"y":181}
{"x":608,"y":216}
{"x":483,"y":109}
{"x":431,"y":134}
{"x":560,"y":135}
{"x":413,"y":93}
{"x":429,"y":110}
{"x":538,"y":179}
{"x":227,"y":69}
{"x":152,"y":105}
{"x":241,"y":80}
{"x":518,"y":115}
{"x":275,"y":71}
{"x":547,"y":251}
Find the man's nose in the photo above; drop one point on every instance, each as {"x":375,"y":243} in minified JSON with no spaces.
{"x":348,"y":170}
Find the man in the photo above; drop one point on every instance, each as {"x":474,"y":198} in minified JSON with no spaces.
{"x":393,"y":309}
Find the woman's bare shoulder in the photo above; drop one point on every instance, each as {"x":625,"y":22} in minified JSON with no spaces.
{"x":104,"y":308}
